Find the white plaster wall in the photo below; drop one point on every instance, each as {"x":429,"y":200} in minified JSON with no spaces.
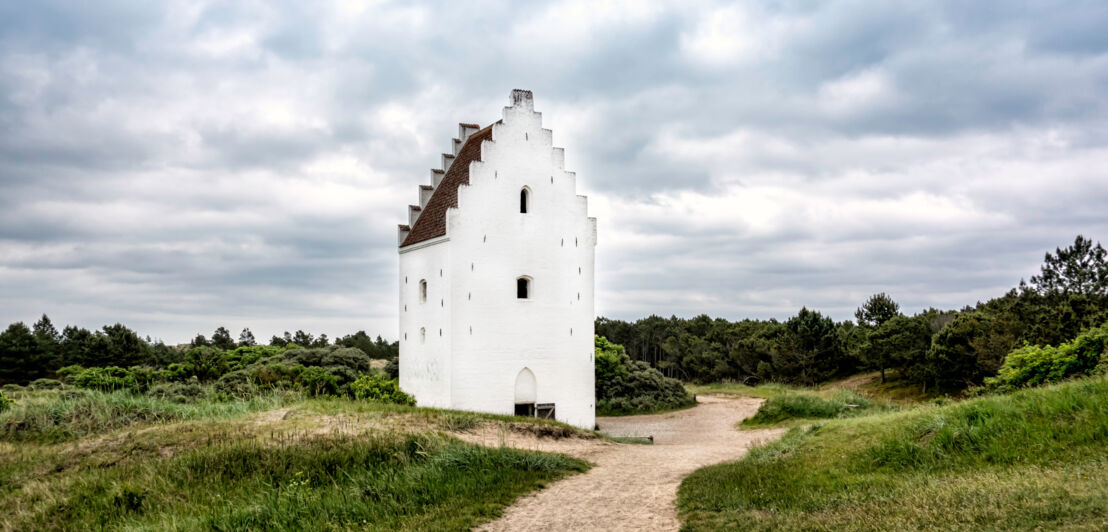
{"x":493,"y":335}
{"x":425,"y":364}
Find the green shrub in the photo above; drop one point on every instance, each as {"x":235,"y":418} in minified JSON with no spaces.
{"x":392,"y":368}
{"x":105,"y":379}
{"x":378,"y":388}
{"x":331,"y":356}
{"x":318,"y":381}
{"x":5,"y":402}
{"x":208,"y":363}
{"x":179,"y":392}
{"x":243,"y":356}
{"x":1033,"y":365}
{"x":624,"y":386}
{"x":44,"y":384}
{"x":178,"y":371}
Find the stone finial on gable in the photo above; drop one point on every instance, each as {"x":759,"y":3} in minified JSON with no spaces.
{"x":524,"y":99}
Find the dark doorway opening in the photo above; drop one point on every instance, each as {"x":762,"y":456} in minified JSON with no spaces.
{"x":525,"y":409}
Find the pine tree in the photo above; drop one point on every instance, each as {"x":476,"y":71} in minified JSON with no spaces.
{"x":878,"y":309}
{"x":1078,"y":269}
{"x":221,"y":339}
{"x":246,"y":338}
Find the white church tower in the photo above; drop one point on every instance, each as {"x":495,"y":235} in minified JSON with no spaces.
{"x":496,"y":277}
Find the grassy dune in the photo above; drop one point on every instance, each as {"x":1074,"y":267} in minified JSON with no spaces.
{"x":1037,"y":458}
{"x":93,"y":461}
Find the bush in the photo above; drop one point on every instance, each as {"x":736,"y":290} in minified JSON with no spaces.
{"x":318,"y":381}
{"x":378,"y":388}
{"x":44,"y":384}
{"x":392,"y":368}
{"x":5,"y":402}
{"x":179,"y":392}
{"x":240,"y":357}
{"x":1032,"y":365}
{"x":624,"y":386}
{"x":330,"y":356}
{"x":105,"y":379}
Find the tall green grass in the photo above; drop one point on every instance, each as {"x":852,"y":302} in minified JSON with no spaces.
{"x":61,"y":415}
{"x":330,"y":482}
{"x":806,"y":406}
{"x":1035,"y":458}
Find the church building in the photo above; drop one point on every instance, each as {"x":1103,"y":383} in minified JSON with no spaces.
{"x":496,"y":277}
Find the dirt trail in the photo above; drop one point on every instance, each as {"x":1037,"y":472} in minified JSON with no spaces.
{"x":631,"y":487}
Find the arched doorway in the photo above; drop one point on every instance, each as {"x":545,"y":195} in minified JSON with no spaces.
{"x":526,"y":392}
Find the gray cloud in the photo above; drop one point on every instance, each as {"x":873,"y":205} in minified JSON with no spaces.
{"x":180,"y":166}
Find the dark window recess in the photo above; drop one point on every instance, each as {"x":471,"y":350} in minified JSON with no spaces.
{"x":523,"y":287}
{"x":525,"y":409}
{"x":544,"y":410}
{"x":523,"y":201}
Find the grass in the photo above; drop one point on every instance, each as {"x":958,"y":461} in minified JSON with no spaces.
{"x":803,"y":406}
{"x":895,"y":389}
{"x":1033,"y":459}
{"x":762,"y":391}
{"x":61,"y":415}
{"x":65,"y":464}
{"x":634,"y":440}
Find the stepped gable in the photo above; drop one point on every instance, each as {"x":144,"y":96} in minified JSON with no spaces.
{"x":432,"y":220}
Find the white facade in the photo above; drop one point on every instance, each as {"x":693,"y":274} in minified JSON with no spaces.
{"x":467,"y":340}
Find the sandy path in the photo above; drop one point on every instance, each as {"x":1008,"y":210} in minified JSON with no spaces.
{"x":632,"y":487}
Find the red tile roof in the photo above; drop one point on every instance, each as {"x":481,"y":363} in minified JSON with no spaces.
{"x":432,"y":221}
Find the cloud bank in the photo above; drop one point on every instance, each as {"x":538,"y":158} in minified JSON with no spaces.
{"x":177,"y":166}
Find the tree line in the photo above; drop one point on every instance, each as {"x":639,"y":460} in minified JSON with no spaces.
{"x":39,"y":351}
{"x":944,"y":349}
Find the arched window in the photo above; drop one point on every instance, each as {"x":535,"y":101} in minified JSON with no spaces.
{"x":523,"y":288}
{"x":524,"y":198}
{"x":423,"y":290}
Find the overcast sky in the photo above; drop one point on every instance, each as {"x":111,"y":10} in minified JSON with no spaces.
{"x":177,"y":166}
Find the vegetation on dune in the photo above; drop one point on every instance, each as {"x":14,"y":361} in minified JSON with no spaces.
{"x":236,"y":480}
{"x":68,"y":414}
{"x":997,"y":462}
{"x":207,"y":383}
{"x":627,"y":387}
{"x":808,"y":406}
{"x":5,"y":402}
{"x":378,"y":388}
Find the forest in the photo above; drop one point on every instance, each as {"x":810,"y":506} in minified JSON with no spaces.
{"x":941,"y":350}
